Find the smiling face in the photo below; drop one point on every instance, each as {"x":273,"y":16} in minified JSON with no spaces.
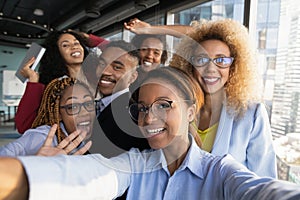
{"x":150,"y":51}
{"x":212,"y":78}
{"x":117,"y":70}
{"x":84,"y":119}
{"x":70,"y":49}
{"x":161,"y":131}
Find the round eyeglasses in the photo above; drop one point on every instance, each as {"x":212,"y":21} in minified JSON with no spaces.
{"x":75,"y":108}
{"x":158,"y":108}
{"x":222,"y":62}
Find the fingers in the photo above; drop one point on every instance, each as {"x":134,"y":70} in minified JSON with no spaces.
{"x":51,"y":134}
{"x":131,"y":23}
{"x":29,"y":73}
{"x":65,"y":142}
{"x":29,"y":62}
{"x":84,"y":149}
{"x":70,"y":143}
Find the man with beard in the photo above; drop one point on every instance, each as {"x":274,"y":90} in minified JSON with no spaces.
{"x":116,"y":132}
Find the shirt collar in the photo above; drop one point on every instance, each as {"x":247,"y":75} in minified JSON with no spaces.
{"x":195,"y":159}
{"x":108,"y":99}
{"x":62,"y":126}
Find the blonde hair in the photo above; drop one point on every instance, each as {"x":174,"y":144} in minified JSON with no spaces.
{"x":244,"y":82}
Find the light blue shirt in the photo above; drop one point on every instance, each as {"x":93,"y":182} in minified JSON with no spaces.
{"x":248,"y":140}
{"x":200,"y":176}
{"x":29,"y":143}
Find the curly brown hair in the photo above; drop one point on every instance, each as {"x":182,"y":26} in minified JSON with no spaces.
{"x":244,"y":82}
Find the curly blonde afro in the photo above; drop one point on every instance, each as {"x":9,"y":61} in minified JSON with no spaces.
{"x":244,"y":83}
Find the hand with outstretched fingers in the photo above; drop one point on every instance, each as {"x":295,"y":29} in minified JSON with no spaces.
{"x":66,"y":146}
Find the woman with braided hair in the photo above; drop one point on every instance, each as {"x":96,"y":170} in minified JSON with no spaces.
{"x":67,"y":106}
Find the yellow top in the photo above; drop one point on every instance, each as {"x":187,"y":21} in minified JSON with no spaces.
{"x":208,"y":137}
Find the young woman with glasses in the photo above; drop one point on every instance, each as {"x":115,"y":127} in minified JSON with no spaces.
{"x":220,"y":55}
{"x":70,"y":105}
{"x":175,"y":167}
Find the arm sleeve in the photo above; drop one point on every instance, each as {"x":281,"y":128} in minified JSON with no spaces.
{"x":240,"y":183}
{"x":28,"y":144}
{"x":260,"y":150}
{"x":95,"y":41}
{"x":70,"y":177}
{"x":77,"y":177}
{"x":29,"y":106}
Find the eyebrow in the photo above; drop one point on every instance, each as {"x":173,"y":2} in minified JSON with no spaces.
{"x":217,"y":55}
{"x":159,"y":98}
{"x":118,"y":62}
{"x":146,"y":47}
{"x":75,"y":40}
{"x":74,"y":97}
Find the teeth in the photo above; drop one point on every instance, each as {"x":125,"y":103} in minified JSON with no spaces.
{"x":147,"y":63}
{"x":211,"y":79}
{"x":154,"y":131}
{"x":75,"y":54}
{"x":84,"y":123}
{"x":105,"y":82}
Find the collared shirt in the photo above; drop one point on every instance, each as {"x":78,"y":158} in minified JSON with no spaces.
{"x":200,"y":176}
{"x":102,"y":103}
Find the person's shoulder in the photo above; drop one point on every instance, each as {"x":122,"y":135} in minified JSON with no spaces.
{"x":37,"y":133}
{"x":257,"y":109}
{"x":39,"y":129}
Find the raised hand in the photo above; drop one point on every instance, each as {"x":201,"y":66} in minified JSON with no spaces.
{"x":137,"y":26}
{"x":66,"y":146}
{"x":29,"y":73}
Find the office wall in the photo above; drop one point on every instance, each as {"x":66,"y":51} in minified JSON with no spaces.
{"x":10,"y":59}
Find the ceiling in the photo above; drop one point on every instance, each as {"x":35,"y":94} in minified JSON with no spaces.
{"x":20,"y":26}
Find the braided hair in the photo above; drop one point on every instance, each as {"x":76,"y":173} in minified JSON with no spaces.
{"x":48,"y":113}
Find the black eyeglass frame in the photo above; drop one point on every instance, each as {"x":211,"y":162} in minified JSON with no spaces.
{"x":84,"y":104}
{"x":147,"y":108}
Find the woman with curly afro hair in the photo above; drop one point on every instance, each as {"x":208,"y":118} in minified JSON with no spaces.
{"x":233,"y":120}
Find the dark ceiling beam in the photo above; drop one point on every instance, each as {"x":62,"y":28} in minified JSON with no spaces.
{"x":118,"y":14}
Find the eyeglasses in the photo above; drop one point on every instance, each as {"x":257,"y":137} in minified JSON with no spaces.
{"x":158,"y":108}
{"x":222,"y":62}
{"x":75,"y":108}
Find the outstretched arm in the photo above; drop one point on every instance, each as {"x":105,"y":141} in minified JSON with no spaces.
{"x":140,"y":27}
{"x":13,"y":180}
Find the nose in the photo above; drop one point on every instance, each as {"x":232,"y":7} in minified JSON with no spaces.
{"x":149,"y":116}
{"x":149,"y":52}
{"x":73,"y":45}
{"x":82,"y":110}
{"x":210,"y":66}
{"x":107,"y":70}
